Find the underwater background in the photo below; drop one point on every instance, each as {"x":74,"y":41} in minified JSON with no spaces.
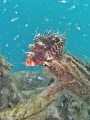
{"x":20,"y":20}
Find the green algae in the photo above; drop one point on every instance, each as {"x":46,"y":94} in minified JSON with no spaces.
{"x":38,"y":108}
{"x":26,"y":110}
{"x":5,"y":67}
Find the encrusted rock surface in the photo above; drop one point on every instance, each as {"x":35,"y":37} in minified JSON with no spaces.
{"x":9,"y":95}
{"x":63,"y":106}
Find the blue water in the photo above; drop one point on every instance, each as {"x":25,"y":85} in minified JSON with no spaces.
{"x":30,"y":16}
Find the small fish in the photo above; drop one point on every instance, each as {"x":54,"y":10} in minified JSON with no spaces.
{"x":4,"y":1}
{"x":63,"y":1}
{"x":72,"y":7}
{"x":76,"y":25}
{"x":30,"y":62}
{"x":14,"y":19}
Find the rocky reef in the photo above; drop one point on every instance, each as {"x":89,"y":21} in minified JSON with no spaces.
{"x":9,"y":95}
{"x":60,"y":91}
{"x":63,"y":106}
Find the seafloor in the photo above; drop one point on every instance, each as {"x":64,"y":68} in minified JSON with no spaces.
{"x":23,"y":95}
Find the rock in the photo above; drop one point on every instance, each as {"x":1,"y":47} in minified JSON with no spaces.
{"x":23,"y":94}
{"x":87,"y":65}
{"x":9,"y":96}
{"x":63,"y":106}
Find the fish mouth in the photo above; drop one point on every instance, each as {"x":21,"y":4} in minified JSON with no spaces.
{"x":32,"y":62}
{"x":29,"y":62}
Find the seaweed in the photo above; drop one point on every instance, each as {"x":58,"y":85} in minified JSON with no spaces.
{"x":5,"y":67}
